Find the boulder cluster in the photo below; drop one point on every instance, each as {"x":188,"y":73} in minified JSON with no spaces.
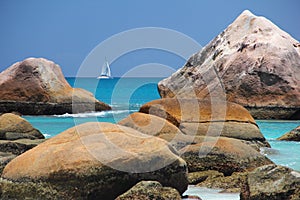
{"x":190,"y":136}
{"x":16,"y":136}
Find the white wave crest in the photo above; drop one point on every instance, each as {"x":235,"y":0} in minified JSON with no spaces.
{"x":94,"y":114}
{"x":47,"y":135}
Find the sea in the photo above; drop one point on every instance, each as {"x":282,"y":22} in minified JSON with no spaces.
{"x":126,"y":95}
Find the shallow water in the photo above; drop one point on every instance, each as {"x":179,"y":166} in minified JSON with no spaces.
{"x":286,"y":153}
{"x":211,"y":194}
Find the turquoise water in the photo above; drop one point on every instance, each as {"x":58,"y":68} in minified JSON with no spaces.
{"x":126,"y":95}
{"x":286,"y":153}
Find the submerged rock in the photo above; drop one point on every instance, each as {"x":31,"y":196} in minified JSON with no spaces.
{"x":252,"y":61}
{"x":293,"y":135}
{"x":13,"y":127}
{"x":93,"y":160}
{"x":150,"y":190}
{"x":271,"y":182}
{"x":36,"y":86}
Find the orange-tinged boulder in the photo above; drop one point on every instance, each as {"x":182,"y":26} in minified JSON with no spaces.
{"x":150,"y":124}
{"x":13,"y":127}
{"x":93,"y":160}
{"x":210,"y":118}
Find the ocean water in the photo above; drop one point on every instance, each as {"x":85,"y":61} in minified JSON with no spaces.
{"x":126,"y":95}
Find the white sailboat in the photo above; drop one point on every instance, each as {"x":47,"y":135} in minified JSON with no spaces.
{"x":105,"y":72}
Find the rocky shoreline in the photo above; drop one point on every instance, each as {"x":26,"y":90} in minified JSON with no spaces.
{"x":157,"y":151}
{"x":169,"y":143}
{"x":274,"y":112}
{"x":48,"y":108}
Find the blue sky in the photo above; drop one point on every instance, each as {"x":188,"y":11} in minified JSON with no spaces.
{"x":67,"y":31}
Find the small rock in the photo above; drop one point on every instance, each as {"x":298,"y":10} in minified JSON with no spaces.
{"x":191,"y":197}
{"x":13,"y":127}
{"x":293,"y":135}
{"x":198,"y":177}
{"x":150,"y":190}
{"x":229,"y":184}
{"x":271,"y":182}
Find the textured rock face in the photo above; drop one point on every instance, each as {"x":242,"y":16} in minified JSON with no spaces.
{"x":254,"y":62}
{"x":225,"y":155}
{"x":150,"y":124}
{"x":10,"y":149}
{"x":100,"y":160}
{"x":148,"y":190}
{"x":293,"y":135}
{"x":14,"y":127}
{"x":37,"y":86}
{"x":202,"y":117}
{"x":198,"y":177}
{"x":271,"y":182}
{"x":228,"y":183}
{"x":16,"y":136}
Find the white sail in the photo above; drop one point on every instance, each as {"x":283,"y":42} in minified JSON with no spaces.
{"x":105,"y":72}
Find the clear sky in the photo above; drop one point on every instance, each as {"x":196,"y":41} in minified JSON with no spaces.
{"x":66,"y":31}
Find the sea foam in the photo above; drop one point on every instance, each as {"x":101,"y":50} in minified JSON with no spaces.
{"x":93,"y":114}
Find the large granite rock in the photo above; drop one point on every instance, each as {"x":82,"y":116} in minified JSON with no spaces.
{"x":252,"y":61}
{"x":92,"y":161}
{"x":150,"y":190}
{"x":271,"y":182}
{"x":14,"y":127}
{"x":293,"y":135}
{"x":206,"y":118}
{"x":225,"y":155}
{"x":37,"y":86}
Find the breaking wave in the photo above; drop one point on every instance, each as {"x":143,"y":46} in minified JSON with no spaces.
{"x":94,"y":114}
